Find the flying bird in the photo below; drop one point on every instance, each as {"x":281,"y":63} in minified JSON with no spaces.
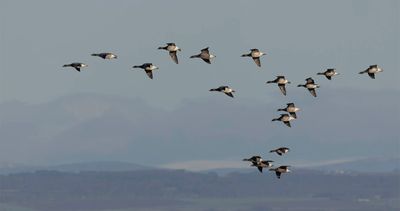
{"x":105,"y":55}
{"x":291,"y":109}
{"x":329,"y":73}
{"x":76,"y":65}
{"x":255,"y":54}
{"x":148,"y":68}
{"x":281,"y":81}
{"x":172,"y":49}
{"x":225,"y":89}
{"x":285,"y":118}
{"x":372,"y":70}
{"x":310,"y":85}
{"x":254,"y":159}
{"x":280,"y":170}
{"x":205,"y":55}
{"x":263,"y":164}
{"x":280,"y":151}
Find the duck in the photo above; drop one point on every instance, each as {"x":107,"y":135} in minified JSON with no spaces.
{"x":263,"y":164}
{"x":105,"y":55}
{"x":205,"y":55}
{"x":254,"y":159}
{"x":148,"y":68}
{"x":280,"y":151}
{"x":225,"y":89}
{"x":281,"y":81}
{"x":372,"y":70}
{"x":76,"y":65}
{"x":255,"y":54}
{"x":280,"y":170}
{"x":285,"y":118}
{"x":291,"y":109}
{"x":329,"y":73}
{"x":310,"y":85}
{"x":172,"y":49}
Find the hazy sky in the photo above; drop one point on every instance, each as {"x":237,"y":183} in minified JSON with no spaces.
{"x":300,"y":38}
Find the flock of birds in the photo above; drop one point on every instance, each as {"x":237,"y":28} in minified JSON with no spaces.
{"x":281,"y":81}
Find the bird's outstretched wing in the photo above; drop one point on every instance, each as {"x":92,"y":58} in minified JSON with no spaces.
{"x":313,"y":93}
{"x":257,"y":61}
{"x":174,"y":57}
{"x":371,"y":75}
{"x":149,"y":73}
{"x":229,"y":94}
{"x":282,"y":88}
{"x":207,"y":60}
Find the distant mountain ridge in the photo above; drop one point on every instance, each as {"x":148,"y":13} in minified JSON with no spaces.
{"x":100,"y":166}
{"x":367,"y":165}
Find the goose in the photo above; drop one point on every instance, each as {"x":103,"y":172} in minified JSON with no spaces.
{"x":105,"y":55}
{"x":310,"y":85}
{"x":263,"y":164}
{"x":285,"y":118}
{"x":281,"y":81}
{"x":280,"y":151}
{"x":280,"y":170}
{"x":205,"y":55}
{"x":225,"y":89}
{"x":329,"y":73}
{"x":291,"y":109}
{"x":254,"y":159}
{"x":172,"y":49}
{"x":76,"y":65}
{"x":255,"y":54}
{"x":371,"y":70}
{"x":148,"y":68}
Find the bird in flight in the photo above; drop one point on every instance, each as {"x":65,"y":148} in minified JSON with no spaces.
{"x":255,"y":54}
{"x":224,"y":89}
{"x":281,"y":81}
{"x":205,"y":55}
{"x":372,"y":70}
{"x":172,"y":49}
{"x":291,"y":109}
{"x":76,"y":65}
{"x":105,"y":55}
{"x":148,"y":68}
{"x":329,"y":73}
{"x":310,"y":85}
{"x":285,"y":118}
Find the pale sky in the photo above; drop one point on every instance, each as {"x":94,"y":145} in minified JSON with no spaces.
{"x":300,"y":38}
